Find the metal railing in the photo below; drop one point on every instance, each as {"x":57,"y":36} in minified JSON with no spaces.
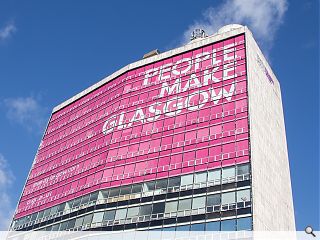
{"x":160,"y":216}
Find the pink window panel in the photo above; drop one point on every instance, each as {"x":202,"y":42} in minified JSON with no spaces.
{"x":204,"y":132}
{"x":215,"y":150}
{"x":243,"y":145}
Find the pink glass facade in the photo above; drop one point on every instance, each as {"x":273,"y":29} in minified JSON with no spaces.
{"x":183,"y":114}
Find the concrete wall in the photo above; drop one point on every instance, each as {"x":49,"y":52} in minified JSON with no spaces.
{"x":271,"y":184}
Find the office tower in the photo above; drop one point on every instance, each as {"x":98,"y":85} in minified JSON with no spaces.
{"x":189,"y":139}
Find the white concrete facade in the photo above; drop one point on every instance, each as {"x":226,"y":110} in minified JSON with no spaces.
{"x":271,"y":184}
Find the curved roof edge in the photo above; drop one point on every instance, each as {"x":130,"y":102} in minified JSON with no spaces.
{"x":192,"y":45}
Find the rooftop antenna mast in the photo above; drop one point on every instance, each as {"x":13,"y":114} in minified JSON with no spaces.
{"x":198,"y":33}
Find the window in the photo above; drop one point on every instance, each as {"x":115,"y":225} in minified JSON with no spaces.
{"x":40,"y":215}
{"x":168,"y":229}
{"x":68,"y":205}
{"x":184,"y":204}
{"x":199,"y":202}
{"x":174,"y":182}
{"x":78,"y":222}
{"x":183,"y":228}
{"x":97,"y":217}
{"x":61,"y":207}
{"x":103,"y":194}
{"x":228,"y":174}
{"x":149,"y":186}
{"x":243,"y":196}
{"x":46,"y":212}
{"x":85,"y":199}
{"x":136,"y":188}
{"x":162,"y":184}
{"x":158,"y":208}
{"x":214,"y":176}
{"x":200,"y":177}
{"x":187,"y":179}
{"x":133,"y":212}
{"x":125,"y":190}
{"x":197,"y":227}
{"x":121,"y":214}
{"x":34,"y":216}
{"x":54,"y":210}
{"x":213,"y":226}
{"x":114,"y":192}
{"x":228,"y":198}
{"x":213,"y":200}
{"x":145,"y":210}
{"x":109,"y":215}
{"x":242,"y":170}
{"x":63,"y":226}
{"x":87,"y":219}
{"x":94,"y":196}
{"x":244,"y":223}
{"x":171,"y":206}
{"x":71,"y":223}
{"x":55,"y":227}
{"x":228,"y":225}
{"x":76,"y":202}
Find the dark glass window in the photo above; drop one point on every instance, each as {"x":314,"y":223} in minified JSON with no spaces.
{"x":174,"y":182}
{"x":61,"y":207}
{"x":94,"y":196}
{"x":244,"y":223}
{"x":125,"y":190}
{"x":40,"y":215}
{"x":145,"y":210}
{"x":55,"y":227}
{"x":213,"y":226}
{"x":228,"y":225}
{"x":242,"y":169}
{"x":34,"y":217}
{"x":114,"y":192}
{"x":136,"y":188}
{"x":71,"y":223}
{"x":169,"y":229}
{"x":158,"y":207}
{"x":105,"y":193}
{"x":46,"y":212}
{"x":63,"y":226}
{"x":149,"y":186}
{"x":79,"y":222}
{"x":213,"y":200}
{"x":109,"y":215}
{"x":76,"y":202}
{"x":85,"y":199}
{"x":87,"y":219}
{"x":183,"y":228}
{"x":162,"y":184}
{"x":197,"y":227}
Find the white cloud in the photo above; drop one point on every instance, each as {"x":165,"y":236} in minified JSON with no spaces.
{"x":262,"y":17}
{"x":6,"y":206}
{"x":7,"y":31}
{"x":27,"y":112}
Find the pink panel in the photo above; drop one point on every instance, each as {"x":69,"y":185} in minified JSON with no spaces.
{"x":183,"y":114}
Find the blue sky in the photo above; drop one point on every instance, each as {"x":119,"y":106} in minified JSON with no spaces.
{"x":49,"y":51}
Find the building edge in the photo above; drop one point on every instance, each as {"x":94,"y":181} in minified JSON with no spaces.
{"x":271,"y":183}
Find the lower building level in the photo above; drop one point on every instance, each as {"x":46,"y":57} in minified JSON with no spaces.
{"x":214,"y":200}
